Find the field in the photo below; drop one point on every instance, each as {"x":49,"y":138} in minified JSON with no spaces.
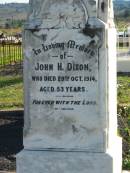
{"x":12,"y":14}
{"x":11,"y":92}
{"x":10,"y":31}
{"x":124,"y":117}
{"x":124,"y":90}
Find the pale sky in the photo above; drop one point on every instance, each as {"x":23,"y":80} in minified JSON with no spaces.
{"x":9,"y":1}
{"x":20,"y":1}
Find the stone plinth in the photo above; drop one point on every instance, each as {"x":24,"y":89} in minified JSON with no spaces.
{"x":52,"y":161}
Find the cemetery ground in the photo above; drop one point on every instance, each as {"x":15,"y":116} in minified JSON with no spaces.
{"x":11,"y":93}
{"x":123,"y":109}
{"x":11,"y":98}
{"x":11,"y":115}
{"x":10,"y":30}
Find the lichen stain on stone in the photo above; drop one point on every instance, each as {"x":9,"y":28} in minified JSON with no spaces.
{"x":103,"y":6}
{"x":57,"y":128}
{"x":74,"y":129}
{"x":44,"y":37}
{"x":92,"y":2}
{"x":88,"y":31}
{"x":36,"y":29}
{"x":61,"y":13}
{"x":88,"y":130}
{"x":55,"y":36}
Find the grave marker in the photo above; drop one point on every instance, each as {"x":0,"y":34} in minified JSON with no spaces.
{"x":70,"y":88}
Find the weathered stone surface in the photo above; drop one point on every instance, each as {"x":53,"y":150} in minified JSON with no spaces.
{"x":70,"y":88}
{"x":57,"y":14}
{"x":56,"y":162}
{"x":63,"y":67}
{"x":64,"y":112}
{"x":69,"y":162}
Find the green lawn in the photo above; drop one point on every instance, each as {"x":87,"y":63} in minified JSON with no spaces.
{"x":124,"y":90}
{"x":124,"y":117}
{"x":11,"y":92}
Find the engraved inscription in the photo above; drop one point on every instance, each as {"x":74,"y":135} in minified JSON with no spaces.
{"x":59,"y":84}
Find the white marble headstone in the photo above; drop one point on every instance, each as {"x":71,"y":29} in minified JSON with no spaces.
{"x":70,"y":88}
{"x":64,"y":92}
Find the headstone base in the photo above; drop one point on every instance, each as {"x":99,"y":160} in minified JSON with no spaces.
{"x":69,"y":162}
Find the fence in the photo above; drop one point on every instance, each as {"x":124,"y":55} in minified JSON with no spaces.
{"x":123,"y":45}
{"x":10,"y":51}
{"x":123,"y":52}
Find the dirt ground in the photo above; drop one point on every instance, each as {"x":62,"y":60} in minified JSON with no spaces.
{"x":11,"y":124}
{"x":7,"y":163}
{"x":13,"y":69}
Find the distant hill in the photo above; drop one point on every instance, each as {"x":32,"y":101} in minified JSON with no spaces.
{"x":14,"y":14}
{"x":121,"y":6}
{"x":122,"y":13}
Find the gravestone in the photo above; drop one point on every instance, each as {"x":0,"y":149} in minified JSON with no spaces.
{"x":70,"y":88}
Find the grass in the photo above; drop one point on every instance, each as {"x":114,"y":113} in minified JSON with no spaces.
{"x":11,"y":31}
{"x":124,"y":117}
{"x":121,"y":23}
{"x":123,"y":49}
{"x":124,"y":90}
{"x":11,"y":92}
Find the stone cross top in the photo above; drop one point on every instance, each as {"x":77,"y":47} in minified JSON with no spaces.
{"x":70,"y":118}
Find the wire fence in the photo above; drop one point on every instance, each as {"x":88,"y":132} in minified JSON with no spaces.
{"x":123,"y":45}
{"x":10,"y":51}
